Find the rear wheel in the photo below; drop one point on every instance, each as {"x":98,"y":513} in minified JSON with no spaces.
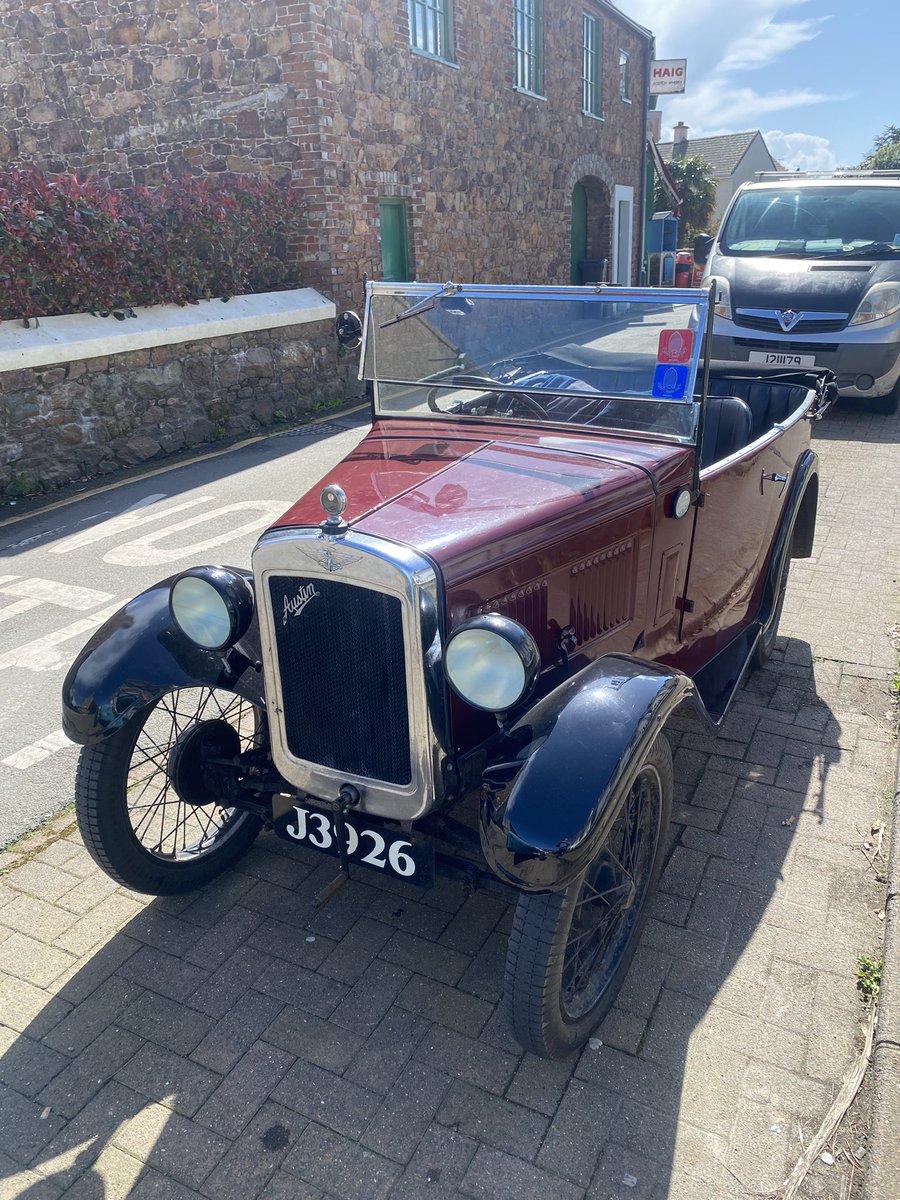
{"x":766,"y":643}
{"x":569,"y":951}
{"x":143,"y":796}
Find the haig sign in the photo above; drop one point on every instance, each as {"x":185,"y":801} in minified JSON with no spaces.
{"x":667,"y":75}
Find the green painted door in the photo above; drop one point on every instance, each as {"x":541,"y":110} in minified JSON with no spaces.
{"x":579,"y":230}
{"x":394,"y":246}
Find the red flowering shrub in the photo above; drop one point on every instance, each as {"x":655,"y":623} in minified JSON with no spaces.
{"x":78,"y":245}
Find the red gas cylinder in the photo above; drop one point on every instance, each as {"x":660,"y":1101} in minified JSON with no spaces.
{"x":684,"y":261}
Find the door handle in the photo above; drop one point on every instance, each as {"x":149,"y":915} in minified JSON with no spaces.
{"x":774,"y":477}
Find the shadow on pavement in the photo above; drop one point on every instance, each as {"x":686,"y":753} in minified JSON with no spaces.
{"x":81,"y":513}
{"x":236,"y":1042}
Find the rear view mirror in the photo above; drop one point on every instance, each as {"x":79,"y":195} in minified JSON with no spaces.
{"x":348,"y":329}
{"x":703,"y":243}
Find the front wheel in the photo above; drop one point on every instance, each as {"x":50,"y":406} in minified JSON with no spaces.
{"x":569,"y":951}
{"x":145,"y":799}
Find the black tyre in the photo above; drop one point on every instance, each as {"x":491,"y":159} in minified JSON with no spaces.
{"x":766,"y":644}
{"x":569,"y":951}
{"x":139,"y":796}
{"x":885,"y":405}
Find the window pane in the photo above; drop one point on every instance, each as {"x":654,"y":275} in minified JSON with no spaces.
{"x":527,"y":43}
{"x":623,"y":75}
{"x":590,"y":74}
{"x":429,"y":26}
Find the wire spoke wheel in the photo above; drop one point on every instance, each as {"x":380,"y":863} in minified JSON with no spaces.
{"x":569,"y":951}
{"x":611,"y":898}
{"x":146,"y":796}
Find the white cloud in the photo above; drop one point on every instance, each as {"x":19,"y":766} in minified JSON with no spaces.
{"x":800,"y":151}
{"x":723,"y":42}
{"x":767,"y":41}
{"x":715,"y":107}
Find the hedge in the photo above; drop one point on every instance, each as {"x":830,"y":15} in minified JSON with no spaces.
{"x":78,"y":245}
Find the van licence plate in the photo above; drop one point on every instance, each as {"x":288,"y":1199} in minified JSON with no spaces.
{"x":782,"y":360}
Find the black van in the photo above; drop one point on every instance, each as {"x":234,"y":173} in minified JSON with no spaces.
{"x":808,"y":273}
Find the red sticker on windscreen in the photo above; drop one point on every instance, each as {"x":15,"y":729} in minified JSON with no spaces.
{"x":675,"y":346}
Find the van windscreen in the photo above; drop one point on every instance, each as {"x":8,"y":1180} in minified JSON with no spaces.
{"x":837,"y":221}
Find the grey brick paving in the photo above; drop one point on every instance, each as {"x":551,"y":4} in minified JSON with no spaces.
{"x":238,"y":1042}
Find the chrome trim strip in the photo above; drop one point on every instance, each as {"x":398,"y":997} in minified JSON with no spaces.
{"x":773,"y":314}
{"x":382,"y":566}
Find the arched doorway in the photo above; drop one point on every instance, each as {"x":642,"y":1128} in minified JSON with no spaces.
{"x":590,"y":231}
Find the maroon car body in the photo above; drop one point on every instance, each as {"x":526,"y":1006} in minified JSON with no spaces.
{"x":563,"y":523}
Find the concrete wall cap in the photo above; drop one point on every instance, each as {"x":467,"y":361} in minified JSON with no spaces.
{"x":67,"y":339}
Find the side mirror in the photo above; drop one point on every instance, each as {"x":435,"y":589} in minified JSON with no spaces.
{"x":703,"y":243}
{"x":348,"y":329}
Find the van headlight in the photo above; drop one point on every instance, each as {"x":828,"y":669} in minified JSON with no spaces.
{"x":491,"y":662}
{"x":723,"y":297}
{"x":881,"y":301}
{"x":212,"y":606}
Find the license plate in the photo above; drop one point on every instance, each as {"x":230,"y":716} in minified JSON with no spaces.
{"x":369,"y":843}
{"x":782,"y":360}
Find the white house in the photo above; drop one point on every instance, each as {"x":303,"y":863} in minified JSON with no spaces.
{"x":734,"y":157}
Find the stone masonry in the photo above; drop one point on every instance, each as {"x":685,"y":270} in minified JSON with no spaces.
{"x":332,"y":96}
{"x":61,"y":423}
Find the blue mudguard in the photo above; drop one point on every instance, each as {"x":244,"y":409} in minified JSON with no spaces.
{"x":138,"y":656}
{"x":572,"y":759}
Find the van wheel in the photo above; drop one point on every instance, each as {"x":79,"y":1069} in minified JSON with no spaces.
{"x":144,"y":800}
{"x":569,"y":951}
{"x":885,"y":405}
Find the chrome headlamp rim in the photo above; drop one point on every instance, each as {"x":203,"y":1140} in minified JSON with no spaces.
{"x":227,"y":588}
{"x":515,"y":636}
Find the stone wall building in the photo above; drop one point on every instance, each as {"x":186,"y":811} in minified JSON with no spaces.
{"x":479,"y":140}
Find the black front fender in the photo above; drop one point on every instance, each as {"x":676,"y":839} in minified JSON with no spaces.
{"x":137,"y":656}
{"x":573,"y":758}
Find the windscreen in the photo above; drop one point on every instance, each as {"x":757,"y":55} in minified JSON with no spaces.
{"x":622,"y":360}
{"x":839,"y":221}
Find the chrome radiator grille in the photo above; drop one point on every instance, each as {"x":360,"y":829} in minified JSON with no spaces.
{"x":348,"y":627}
{"x":343,"y":677}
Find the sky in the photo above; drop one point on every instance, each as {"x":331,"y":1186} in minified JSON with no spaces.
{"x":818,"y":78}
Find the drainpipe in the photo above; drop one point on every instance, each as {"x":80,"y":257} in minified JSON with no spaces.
{"x":650,"y":50}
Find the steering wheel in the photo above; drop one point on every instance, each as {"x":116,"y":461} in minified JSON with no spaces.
{"x":521,"y":400}
{"x":461,"y":381}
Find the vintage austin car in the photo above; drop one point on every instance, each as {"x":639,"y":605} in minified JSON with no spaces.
{"x":561,"y":526}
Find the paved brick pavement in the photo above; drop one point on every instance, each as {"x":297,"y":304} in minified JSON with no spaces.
{"x":237,"y":1043}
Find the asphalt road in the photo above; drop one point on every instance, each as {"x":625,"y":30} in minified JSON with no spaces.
{"x":63,"y":572}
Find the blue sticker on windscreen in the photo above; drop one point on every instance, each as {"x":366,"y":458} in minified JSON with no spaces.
{"x":670,"y":381}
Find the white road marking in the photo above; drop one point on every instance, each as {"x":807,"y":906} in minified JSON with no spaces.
{"x":42,"y":654}
{"x":35,"y":591}
{"x":135,"y":516}
{"x":143,"y":551}
{"x":57,"y":529}
{"x":22,"y":759}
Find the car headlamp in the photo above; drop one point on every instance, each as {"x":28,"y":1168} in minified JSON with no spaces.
{"x":491,"y":662}
{"x":211,"y":606}
{"x":882,"y":300}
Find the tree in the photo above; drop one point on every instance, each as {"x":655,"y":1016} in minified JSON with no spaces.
{"x":885,"y":152}
{"x":696,"y":186}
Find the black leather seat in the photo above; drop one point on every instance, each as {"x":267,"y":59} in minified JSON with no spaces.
{"x":768,"y":402}
{"x":727,"y":426}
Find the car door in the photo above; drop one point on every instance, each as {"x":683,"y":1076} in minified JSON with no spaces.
{"x":743,"y":497}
